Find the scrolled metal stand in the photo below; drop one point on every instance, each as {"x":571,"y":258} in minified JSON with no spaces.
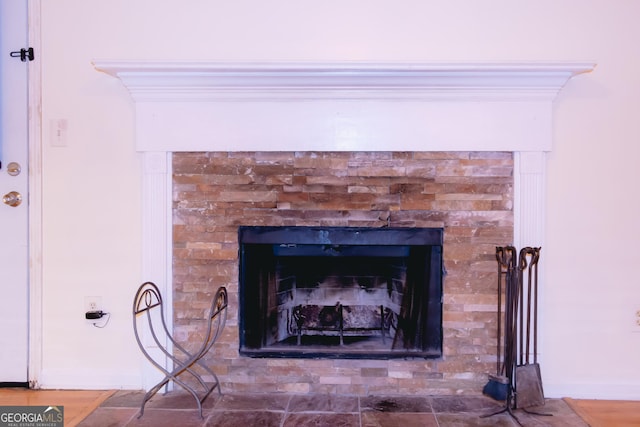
{"x":148,"y":309}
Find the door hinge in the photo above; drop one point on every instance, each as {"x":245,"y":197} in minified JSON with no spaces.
{"x":23,"y":54}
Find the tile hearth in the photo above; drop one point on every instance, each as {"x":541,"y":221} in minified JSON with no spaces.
{"x":292,"y":410}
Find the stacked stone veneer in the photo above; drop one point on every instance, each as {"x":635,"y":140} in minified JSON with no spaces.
{"x":469,"y":194}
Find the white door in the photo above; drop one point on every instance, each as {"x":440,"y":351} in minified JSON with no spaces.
{"x":14,"y":297}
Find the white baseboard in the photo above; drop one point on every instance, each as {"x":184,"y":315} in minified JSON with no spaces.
{"x":89,"y":380}
{"x":593,"y":391}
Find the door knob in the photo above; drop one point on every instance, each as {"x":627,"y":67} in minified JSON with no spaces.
{"x":12,"y":198}
{"x":14,"y":169}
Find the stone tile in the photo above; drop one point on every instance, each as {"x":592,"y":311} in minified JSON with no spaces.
{"x":395,"y":419}
{"x":474,"y":420}
{"x":167,"y":417}
{"x":124,"y":399}
{"x":395,"y":404}
{"x":454,"y":404}
{"x":231,"y":410}
{"x":109,"y":417}
{"x":244,"y":419}
{"x":270,"y":402}
{"x":321,"y":420}
{"x":323,"y":403}
{"x":181,"y":400}
{"x":561,"y":415}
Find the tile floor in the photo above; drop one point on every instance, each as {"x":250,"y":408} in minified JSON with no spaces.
{"x":289,"y":410}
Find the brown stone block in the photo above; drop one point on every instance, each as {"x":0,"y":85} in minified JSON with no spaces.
{"x":468,"y":197}
{"x":462,"y":205}
{"x":273,"y":157}
{"x":406,"y":188}
{"x":471,"y":185}
{"x":248,"y":196}
{"x":413,"y":385}
{"x":312,"y":165}
{"x":294,"y":198}
{"x":351,"y":389}
{"x":441,"y":155}
{"x":469,"y":252}
{"x":267,"y":169}
{"x":324,"y":181}
{"x":429,"y":376}
{"x":420,"y":170}
{"x":187,"y":183}
{"x":279,"y":180}
{"x":499,"y":155}
{"x":330,"y":389}
{"x":381,"y":389}
{"x":495,"y":235}
{"x":371,"y":189}
{"x":212,"y":181}
{"x":368,"y":156}
{"x":289,"y":370}
{"x":293,"y":387}
{"x":417,"y":202}
{"x":420,"y":216}
{"x":470,"y":299}
{"x":189,"y":163}
{"x":380,"y":169}
{"x":466,"y":287}
{"x":479,"y":167}
{"x":374,"y":372}
{"x":402,"y":156}
{"x":464,"y":363}
{"x":342,"y":201}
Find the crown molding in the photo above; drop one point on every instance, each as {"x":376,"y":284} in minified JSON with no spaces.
{"x":148,"y":81}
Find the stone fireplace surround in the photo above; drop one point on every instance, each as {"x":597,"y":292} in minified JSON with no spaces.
{"x":340,"y":107}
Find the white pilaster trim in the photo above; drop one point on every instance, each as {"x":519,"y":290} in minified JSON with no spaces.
{"x":529,"y":198}
{"x":157,"y":242}
{"x":529,"y":220}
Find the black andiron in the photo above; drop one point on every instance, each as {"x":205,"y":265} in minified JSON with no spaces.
{"x":517,"y":382}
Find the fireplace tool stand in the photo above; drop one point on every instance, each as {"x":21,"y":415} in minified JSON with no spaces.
{"x":512,"y":268}
{"x":507,"y":268}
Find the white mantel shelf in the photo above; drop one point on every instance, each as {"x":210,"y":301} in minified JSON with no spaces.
{"x":347,"y":80}
{"x":198,"y":106}
{"x":351,"y":106}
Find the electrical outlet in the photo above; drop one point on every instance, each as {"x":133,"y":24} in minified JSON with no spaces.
{"x":92,"y":303}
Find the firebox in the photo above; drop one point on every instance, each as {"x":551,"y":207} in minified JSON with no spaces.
{"x":340,"y":292}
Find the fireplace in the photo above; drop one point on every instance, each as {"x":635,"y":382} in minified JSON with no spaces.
{"x":340,"y":292}
{"x":334,"y":116}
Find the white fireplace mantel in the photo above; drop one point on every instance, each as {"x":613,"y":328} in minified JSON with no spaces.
{"x":343,"y":106}
{"x":346,"y":106}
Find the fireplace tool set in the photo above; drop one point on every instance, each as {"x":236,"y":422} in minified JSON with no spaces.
{"x":517,"y":381}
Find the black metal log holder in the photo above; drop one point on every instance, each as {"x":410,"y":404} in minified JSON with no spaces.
{"x":511,"y":309}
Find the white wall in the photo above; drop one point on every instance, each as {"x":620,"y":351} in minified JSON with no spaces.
{"x":91,"y":189}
